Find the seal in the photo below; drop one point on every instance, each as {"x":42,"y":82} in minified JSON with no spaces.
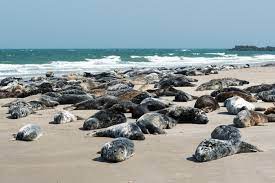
{"x":128,"y":130}
{"x":229,"y":89}
{"x":29,"y":132}
{"x":140,"y":97}
{"x":246,"y":118}
{"x":224,"y":141}
{"x":182,"y":96}
{"x":165,"y":91}
{"x":216,"y":84}
{"x":177,"y":81}
{"x":104,"y":119}
{"x":65,"y":117}
{"x":98,"y":103}
{"x":221,"y":97}
{"x":207,"y":103}
{"x":270,"y":110}
{"x":236,"y":104}
{"x":186,"y":114}
{"x":260,"y":88}
{"x":148,"y":105}
{"x":267,"y":96}
{"x":154,"y":123}
{"x":118,"y":150}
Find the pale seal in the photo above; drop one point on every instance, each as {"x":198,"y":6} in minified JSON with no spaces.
{"x":118,"y":150}
{"x":65,"y":117}
{"x":29,"y":132}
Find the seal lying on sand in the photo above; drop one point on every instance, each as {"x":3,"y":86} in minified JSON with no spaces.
{"x":221,"y":97}
{"x":98,"y":103}
{"x":29,"y":132}
{"x":154,"y":123}
{"x":224,"y":141}
{"x":270,"y":110}
{"x":216,"y":84}
{"x":260,"y":88}
{"x":182,"y":96}
{"x":177,"y":81}
{"x":127,"y":130}
{"x":65,"y":117}
{"x":246,"y":118}
{"x":207,"y":103}
{"x":267,"y":96}
{"x":118,"y":150}
{"x":186,"y":114}
{"x":148,"y":105}
{"x":104,"y":119}
{"x":235,"y":104}
{"x":229,"y":89}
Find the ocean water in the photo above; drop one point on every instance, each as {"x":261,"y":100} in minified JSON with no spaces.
{"x":30,"y":62}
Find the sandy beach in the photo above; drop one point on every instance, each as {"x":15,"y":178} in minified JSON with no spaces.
{"x":64,"y":154}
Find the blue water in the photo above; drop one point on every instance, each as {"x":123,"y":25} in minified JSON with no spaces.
{"x":27,"y":62}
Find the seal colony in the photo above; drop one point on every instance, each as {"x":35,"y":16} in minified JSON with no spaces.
{"x":113,"y":94}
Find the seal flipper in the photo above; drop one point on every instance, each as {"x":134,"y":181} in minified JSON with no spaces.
{"x":80,"y":118}
{"x":245,"y":147}
{"x":260,"y":109}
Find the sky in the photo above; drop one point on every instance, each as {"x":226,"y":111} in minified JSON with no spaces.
{"x":136,"y":24}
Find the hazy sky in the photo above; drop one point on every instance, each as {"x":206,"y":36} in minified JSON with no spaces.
{"x":136,"y":24}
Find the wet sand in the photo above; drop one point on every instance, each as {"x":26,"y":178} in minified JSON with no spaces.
{"x":65,"y":154}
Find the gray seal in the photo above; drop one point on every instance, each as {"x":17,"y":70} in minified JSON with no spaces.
{"x":118,"y":150}
{"x":224,"y":141}
{"x":128,"y":130}
{"x":216,"y":84}
{"x":154,"y":123}
{"x":207,"y":103}
{"x":186,"y":114}
{"x":29,"y":132}
{"x":104,"y":119}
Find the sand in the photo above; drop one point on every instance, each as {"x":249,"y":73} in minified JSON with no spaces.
{"x":65,"y":154}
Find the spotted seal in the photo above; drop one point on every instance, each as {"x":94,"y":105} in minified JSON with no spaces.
{"x":154,"y":123}
{"x":29,"y":132}
{"x":207,"y":103}
{"x":270,"y":110}
{"x":216,"y":84}
{"x":186,"y":114}
{"x":221,"y":97}
{"x":104,"y":119}
{"x":267,"y":96}
{"x":118,"y":150}
{"x":224,"y":141}
{"x":128,"y":130}
{"x":246,"y":118}
{"x":235,"y":104}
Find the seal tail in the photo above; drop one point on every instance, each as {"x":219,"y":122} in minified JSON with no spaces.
{"x":80,"y":118}
{"x":245,"y":147}
{"x":260,"y":109}
{"x":271,"y":118}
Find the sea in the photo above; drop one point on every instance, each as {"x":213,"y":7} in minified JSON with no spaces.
{"x":36,"y":62}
